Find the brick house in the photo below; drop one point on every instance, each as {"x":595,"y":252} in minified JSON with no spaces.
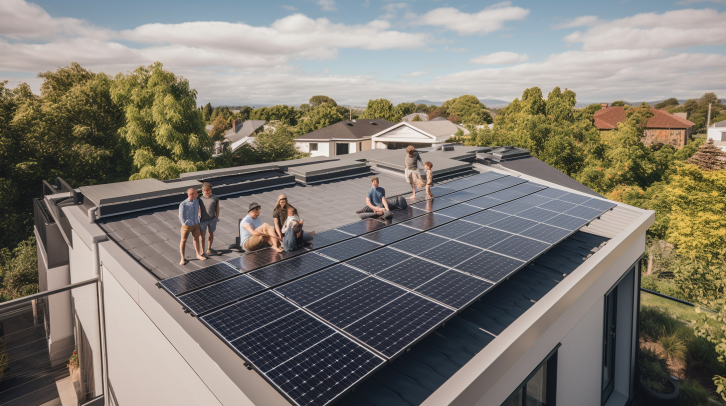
{"x":663,"y":127}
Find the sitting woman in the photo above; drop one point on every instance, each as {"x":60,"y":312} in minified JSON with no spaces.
{"x":279,"y":215}
{"x":294,"y":236}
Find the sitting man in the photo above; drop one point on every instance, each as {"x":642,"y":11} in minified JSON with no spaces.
{"x":377,"y":205}
{"x":253,"y":235}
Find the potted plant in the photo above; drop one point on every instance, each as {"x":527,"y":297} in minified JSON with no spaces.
{"x":73,"y":363}
{"x":657,"y":386}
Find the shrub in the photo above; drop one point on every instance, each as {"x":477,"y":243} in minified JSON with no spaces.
{"x":673,"y":345}
{"x":653,"y":370}
{"x":693,"y":394}
{"x":701,"y":355}
{"x":656,"y":323}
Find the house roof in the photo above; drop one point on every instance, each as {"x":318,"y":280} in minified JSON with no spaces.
{"x":240,"y":131}
{"x":438,"y":128}
{"x":358,"y":129}
{"x":534,"y":167}
{"x":720,"y":124}
{"x":608,"y":119}
{"x":410,"y":117}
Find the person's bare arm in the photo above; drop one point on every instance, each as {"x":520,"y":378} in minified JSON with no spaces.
{"x":217,"y":214}
{"x":385,"y":203}
{"x":251,"y":230}
{"x":373,"y":207}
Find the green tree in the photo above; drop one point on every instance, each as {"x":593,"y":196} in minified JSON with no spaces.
{"x":417,"y":117}
{"x":319,"y":117}
{"x":404,"y":109}
{"x":421,"y":108}
{"x":207,"y":112}
{"x":287,"y":115}
{"x":219,"y":127}
{"x":19,"y":271}
{"x":381,"y":108}
{"x":618,"y":103}
{"x":666,"y":104}
{"x":161,"y":121}
{"x":318,"y":100}
{"x":469,"y":110}
{"x":277,"y":144}
{"x":244,"y":113}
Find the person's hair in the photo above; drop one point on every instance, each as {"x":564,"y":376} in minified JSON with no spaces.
{"x":206,"y":185}
{"x":294,"y":210}
{"x":410,"y":149}
{"x":191,"y":188}
{"x":429,"y":164}
{"x":374,"y":179}
{"x":277,"y":205}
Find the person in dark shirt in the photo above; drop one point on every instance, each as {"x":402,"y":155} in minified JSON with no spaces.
{"x":377,"y":205}
{"x":413,"y":175}
{"x":209,"y":205}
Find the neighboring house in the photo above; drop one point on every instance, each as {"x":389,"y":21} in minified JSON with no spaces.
{"x":243,"y":133}
{"x":410,"y":117}
{"x":717,"y":133}
{"x":345,"y":137}
{"x":420,"y":134}
{"x":662,"y":127}
{"x":471,"y":305}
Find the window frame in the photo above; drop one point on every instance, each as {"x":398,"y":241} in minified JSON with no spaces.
{"x":551,"y":383}
{"x":313,"y":147}
{"x":610,"y":302}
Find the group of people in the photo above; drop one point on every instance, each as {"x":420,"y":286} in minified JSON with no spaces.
{"x":199,"y":215}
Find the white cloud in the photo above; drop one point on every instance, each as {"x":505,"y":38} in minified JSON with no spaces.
{"x":672,"y":29}
{"x":19,"y":19}
{"x":499,"y":58}
{"x":327,"y":5}
{"x":582,"y":21}
{"x":446,"y":48}
{"x":488,"y":20}
{"x":392,"y":10}
{"x":413,"y":74}
{"x":289,"y":8}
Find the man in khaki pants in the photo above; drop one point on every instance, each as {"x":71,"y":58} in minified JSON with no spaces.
{"x":413,"y":176}
{"x":189,"y":219}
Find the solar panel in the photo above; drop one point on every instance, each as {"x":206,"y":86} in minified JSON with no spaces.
{"x":412,"y":273}
{"x":403,"y":215}
{"x":520,"y":247}
{"x":219,"y":294}
{"x":282,"y":339}
{"x":419,"y":243}
{"x":399,"y":324}
{"x":484,"y":202}
{"x":537,"y":214}
{"x":329,"y":237}
{"x":434,"y":204}
{"x":455,"y":229}
{"x":511,"y":193}
{"x":362,"y":227}
{"x":391,"y":234}
{"x":513,"y":207}
{"x":320,"y":284}
{"x":258,"y":259}
{"x":599,"y":204}
{"x":353,"y":302}
{"x":378,"y":260}
{"x":232,"y":321}
{"x":284,"y":271}
{"x":450,"y":253}
{"x":490,"y":266}
{"x":349,"y":249}
{"x":454,"y":288}
{"x":551,"y":193}
{"x":546,"y":233}
{"x":534,"y":200}
{"x":460,"y":210}
{"x":427,"y":221}
{"x":485,"y":237}
{"x":558,"y":206}
{"x":486,"y":217}
{"x":574,"y":198}
{"x":583,"y":212}
{"x":323,"y":372}
{"x":199,"y":278}
{"x":567,"y":222}
{"x":461,"y":196}
{"x":513,"y":224}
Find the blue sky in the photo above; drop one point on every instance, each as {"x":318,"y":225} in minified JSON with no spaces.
{"x":353,"y":50}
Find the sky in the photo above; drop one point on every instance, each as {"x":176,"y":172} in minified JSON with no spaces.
{"x":271,"y":52}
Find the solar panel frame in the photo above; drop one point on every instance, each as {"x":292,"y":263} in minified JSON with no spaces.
{"x":486,"y":217}
{"x":537,"y":214}
{"x":483,"y":202}
{"x":567,"y":222}
{"x":313,"y":287}
{"x":412,"y":273}
{"x":220,"y":294}
{"x":391,"y":234}
{"x":293,"y":268}
{"x":419,"y":243}
{"x":547,"y":233}
{"x":485,"y":237}
{"x":450,"y":253}
{"x":558,"y":206}
{"x":247,"y":315}
{"x":513,"y":224}
{"x":520,"y":247}
{"x":496,"y":267}
{"x":348,"y":249}
{"x":458,"y":211}
{"x":199,"y":278}
{"x":455,"y":229}
{"x":574,"y":198}
{"x":584,"y":212}
{"x":329,"y":237}
{"x":601,"y":204}
{"x":455,"y":289}
{"x":378,"y":260}
{"x":551,"y":193}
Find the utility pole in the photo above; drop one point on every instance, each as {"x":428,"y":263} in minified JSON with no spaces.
{"x":708,"y":118}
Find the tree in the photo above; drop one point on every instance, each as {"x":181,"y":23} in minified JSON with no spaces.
{"x":161,"y":121}
{"x":421,"y":108}
{"x":417,"y":117}
{"x":277,"y":144}
{"x":618,"y":103}
{"x":382,"y":109}
{"x":708,"y":98}
{"x":709,"y":157}
{"x":219,"y":127}
{"x":287,"y":115}
{"x":468,"y":109}
{"x":19,"y":271}
{"x":438,"y":112}
{"x":404,"y":109}
{"x":319,"y":117}
{"x":666,"y":104}
{"x":318,"y":100}
{"x":244,"y":113}
{"x":207,"y":112}
{"x":454,"y":119}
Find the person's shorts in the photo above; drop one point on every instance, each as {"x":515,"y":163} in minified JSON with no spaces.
{"x":254,"y":243}
{"x":196,"y":232}
{"x":413,"y":176}
{"x":210,"y":226}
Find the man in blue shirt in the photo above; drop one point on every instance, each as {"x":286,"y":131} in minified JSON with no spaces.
{"x":376,"y":203}
{"x":189,"y":219}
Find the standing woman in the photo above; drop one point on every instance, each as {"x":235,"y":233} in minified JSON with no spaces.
{"x":413,"y":175}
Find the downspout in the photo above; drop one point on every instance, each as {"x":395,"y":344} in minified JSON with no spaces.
{"x":96,"y":268}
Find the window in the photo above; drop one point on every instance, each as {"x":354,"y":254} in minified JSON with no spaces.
{"x":539,"y":388}
{"x":608,"y":350}
{"x":341,"y":149}
{"x":313,"y":146}
{"x":360,"y":146}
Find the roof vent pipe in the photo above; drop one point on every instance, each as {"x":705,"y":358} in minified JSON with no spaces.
{"x":92,"y":214}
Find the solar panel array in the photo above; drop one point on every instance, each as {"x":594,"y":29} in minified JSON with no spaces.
{"x":318,"y":322}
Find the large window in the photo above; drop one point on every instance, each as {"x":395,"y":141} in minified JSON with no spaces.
{"x":608,"y":350}
{"x":313,"y":146}
{"x":539,"y":388}
{"x":341,"y":149}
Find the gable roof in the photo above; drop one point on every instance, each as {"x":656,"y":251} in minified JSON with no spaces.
{"x":608,"y":119}
{"x":358,"y":129}
{"x":720,"y":124}
{"x":242,"y":130}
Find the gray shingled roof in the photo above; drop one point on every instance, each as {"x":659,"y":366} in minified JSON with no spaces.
{"x":534,"y":167}
{"x":348,"y":130}
{"x":242,"y":130}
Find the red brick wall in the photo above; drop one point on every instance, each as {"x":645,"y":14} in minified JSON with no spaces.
{"x":677,"y":138}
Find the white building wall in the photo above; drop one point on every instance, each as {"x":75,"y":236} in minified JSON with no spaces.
{"x":718,"y":135}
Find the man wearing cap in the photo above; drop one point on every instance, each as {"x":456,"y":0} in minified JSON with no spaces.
{"x":189,"y":219}
{"x":254,"y":235}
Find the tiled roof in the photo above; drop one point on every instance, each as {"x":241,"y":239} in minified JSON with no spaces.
{"x":608,"y":119}
{"x":720,"y":124}
{"x":348,"y":130}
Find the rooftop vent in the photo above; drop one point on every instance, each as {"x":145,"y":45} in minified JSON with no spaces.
{"x":349,"y":124}
{"x":500,"y":154}
{"x":374,"y":123}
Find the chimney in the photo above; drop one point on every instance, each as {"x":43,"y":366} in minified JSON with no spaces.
{"x":236,"y":122}
{"x":604,"y":105}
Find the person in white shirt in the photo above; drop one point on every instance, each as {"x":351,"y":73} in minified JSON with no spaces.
{"x":254,"y":235}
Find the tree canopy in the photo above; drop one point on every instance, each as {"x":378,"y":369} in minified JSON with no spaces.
{"x":383,"y":109}
{"x":468,"y":109}
{"x":315,"y":101}
{"x":319,"y":117}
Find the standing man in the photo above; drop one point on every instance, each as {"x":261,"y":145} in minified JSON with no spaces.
{"x":254,"y":235}
{"x":209,"y":205}
{"x":413,"y":176}
{"x":189,"y":219}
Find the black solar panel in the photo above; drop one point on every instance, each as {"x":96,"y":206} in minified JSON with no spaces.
{"x":520,"y":247}
{"x":490,"y":266}
{"x":240,"y":318}
{"x":378,"y":260}
{"x":412,"y":273}
{"x":434,"y":204}
{"x":323,"y":372}
{"x":599,"y":204}
{"x":511,"y":193}
{"x":513,"y":224}
{"x":583,"y":212}
{"x":349,"y":249}
{"x":455,"y":229}
{"x":450,"y":253}
{"x":513,"y":207}
{"x":329,"y":237}
{"x":362,"y":227}
{"x":320,"y":284}
{"x":558,"y":206}
{"x":537,"y":214}
{"x":484,"y":202}
{"x":458,"y":211}
{"x":574,"y":198}
{"x":397,"y":325}
{"x":419,"y":243}
{"x":427,"y":221}
{"x":199,"y":278}
{"x":257,"y":259}
{"x":567,"y":222}
{"x":454,"y":288}
{"x":353,"y":302}
{"x":486,"y":217}
{"x":551,"y":193}
{"x":534,"y":200}
{"x":485,"y":237}
{"x":546,"y":233}
{"x":403,"y":215}
{"x":391,"y":234}
{"x":219,"y":294}
{"x":290,"y":269}
{"x":462,"y":196}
